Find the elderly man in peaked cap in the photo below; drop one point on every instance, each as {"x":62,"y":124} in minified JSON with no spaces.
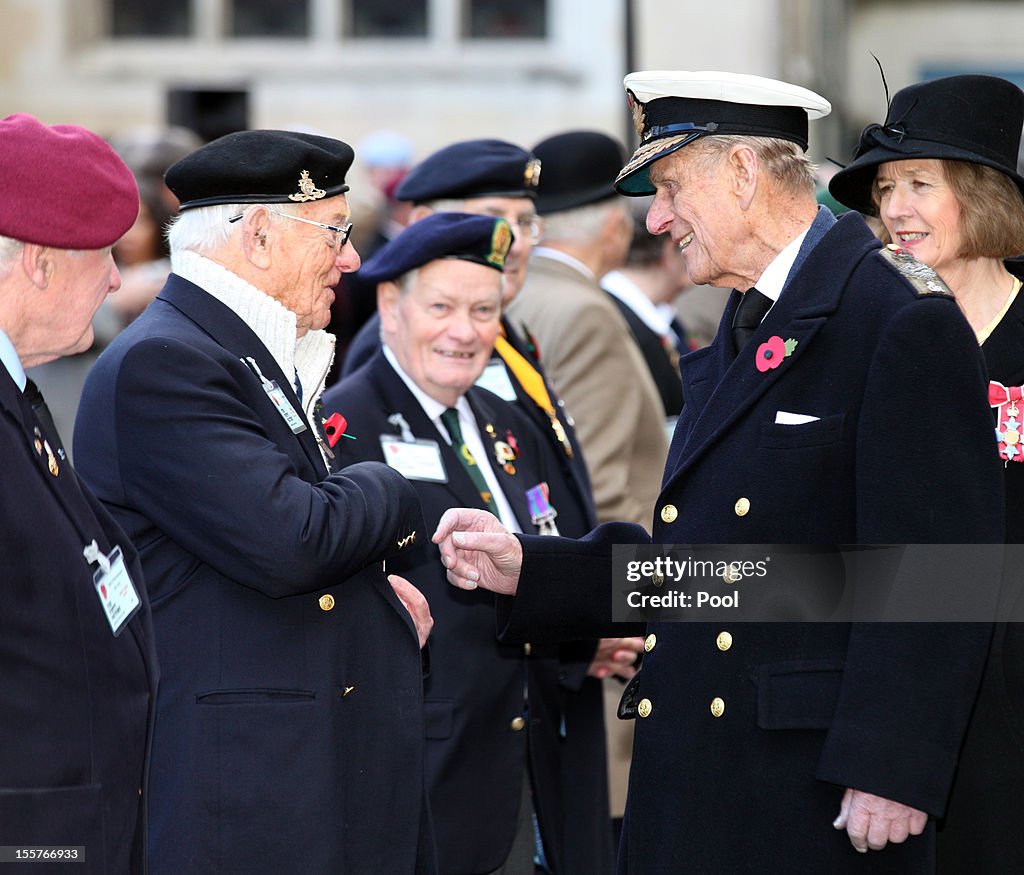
{"x":289,"y":721}
{"x":78,"y":669}
{"x":754,"y":740}
{"x":514,"y":734}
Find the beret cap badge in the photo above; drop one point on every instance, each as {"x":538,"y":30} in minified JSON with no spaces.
{"x":307,"y":190}
{"x":531,"y":175}
{"x":501,"y":242}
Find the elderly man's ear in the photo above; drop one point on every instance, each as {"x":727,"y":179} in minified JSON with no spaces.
{"x":387,"y":302}
{"x":256,"y":238}
{"x":38,"y":263}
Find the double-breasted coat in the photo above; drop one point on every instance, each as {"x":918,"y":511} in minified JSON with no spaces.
{"x":289,"y":721}
{"x":476,"y":716}
{"x":750,"y":738}
{"x":76,"y":701}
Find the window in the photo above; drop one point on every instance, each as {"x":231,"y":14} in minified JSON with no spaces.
{"x":499,"y":19}
{"x":142,"y":18}
{"x":387,"y":18}
{"x":270,"y":18}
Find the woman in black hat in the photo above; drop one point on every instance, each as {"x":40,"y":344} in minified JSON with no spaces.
{"x":940,"y":174}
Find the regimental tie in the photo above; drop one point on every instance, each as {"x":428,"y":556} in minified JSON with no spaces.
{"x":749,"y":313}
{"x":533,"y":383}
{"x":450,"y":418}
{"x":42,"y":412}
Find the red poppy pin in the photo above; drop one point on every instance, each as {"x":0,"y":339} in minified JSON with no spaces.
{"x":334,"y":428}
{"x":771,"y":353}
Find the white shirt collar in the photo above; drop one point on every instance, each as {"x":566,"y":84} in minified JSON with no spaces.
{"x":774,"y":276}
{"x":9,"y":359}
{"x":565,"y":258}
{"x":622,"y":287}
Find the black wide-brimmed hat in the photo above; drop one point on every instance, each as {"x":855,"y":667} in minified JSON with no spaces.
{"x":958,"y":118}
{"x":579,"y":169}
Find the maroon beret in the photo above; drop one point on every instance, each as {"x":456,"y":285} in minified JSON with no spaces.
{"x":62,"y":186}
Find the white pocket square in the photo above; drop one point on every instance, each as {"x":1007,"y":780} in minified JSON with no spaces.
{"x":784,"y":417}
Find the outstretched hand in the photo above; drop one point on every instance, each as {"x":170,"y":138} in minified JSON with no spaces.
{"x":478,"y":550}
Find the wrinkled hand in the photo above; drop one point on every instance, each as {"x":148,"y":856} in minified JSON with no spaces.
{"x":416,"y":604}
{"x":615,"y":656}
{"x":871,"y":821}
{"x":478,"y":550}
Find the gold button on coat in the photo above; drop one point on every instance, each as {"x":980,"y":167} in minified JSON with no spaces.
{"x":527,"y":648}
{"x":326,"y":602}
{"x":650,"y":642}
{"x":724,"y":641}
{"x":669,"y":513}
{"x":717,"y":707}
{"x":742,"y":507}
{"x":644,"y":708}
{"x":517,"y":724}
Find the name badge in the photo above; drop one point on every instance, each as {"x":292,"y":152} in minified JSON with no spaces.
{"x":117,"y":593}
{"x":495,"y":379}
{"x":284,"y":407}
{"x":414,"y":460}
{"x":274,"y":392}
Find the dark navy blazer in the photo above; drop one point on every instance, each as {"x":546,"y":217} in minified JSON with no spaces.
{"x":476,"y":760}
{"x":289,"y":728}
{"x":901,"y":452}
{"x":75,"y":702}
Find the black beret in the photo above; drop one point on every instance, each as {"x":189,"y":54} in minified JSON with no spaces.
{"x":580,"y":169}
{"x":473,"y":168}
{"x":261,"y":167}
{"x":481,"y":239}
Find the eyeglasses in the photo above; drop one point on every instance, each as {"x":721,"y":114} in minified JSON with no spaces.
{"x":531,"y":226}
{"x":339,"y":235}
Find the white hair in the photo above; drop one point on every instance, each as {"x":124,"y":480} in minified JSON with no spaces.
{"x":582,"y":224}
{"x":205,"y":229}
{"x":10,"y":250}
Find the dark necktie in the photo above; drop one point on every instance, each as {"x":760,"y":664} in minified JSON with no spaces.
{"x":752,"y":307}
{"x":450,"y":418}
{"x":42,"y":412}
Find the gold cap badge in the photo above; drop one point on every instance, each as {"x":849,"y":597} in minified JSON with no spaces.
{"x":531,"y":175}
{"x":501,"y":242}
{"x":307,"y":190}
{"x":639,"y":114}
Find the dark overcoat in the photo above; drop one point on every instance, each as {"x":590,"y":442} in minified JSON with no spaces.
{"x":289,"y":730}
{"x":477,"y":756}
{"x":901,"y":452}
{"x":75,"y":701}
{"x":981,"y":831}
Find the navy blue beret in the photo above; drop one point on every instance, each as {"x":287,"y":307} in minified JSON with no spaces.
{"x":480,"y":239}
{"x":579,"y":169}
{"x":473,"y":168}
{"x":261,"y":167}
